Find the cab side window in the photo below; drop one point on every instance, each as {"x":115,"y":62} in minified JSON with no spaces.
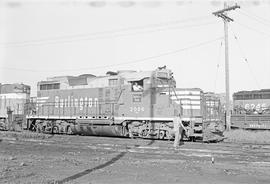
{"x":137,"y":85}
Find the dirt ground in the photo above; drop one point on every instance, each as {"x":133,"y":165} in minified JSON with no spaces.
{"x":93,"y":160}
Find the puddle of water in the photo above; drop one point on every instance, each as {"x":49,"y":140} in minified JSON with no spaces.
{"x":266,"y":147}
{"x":135,"y":151}
{"x":207,"y":151}
{"x":165,"y":161}
{"x":106,"y":144}
{"x":36,"y":140}
{"x":108,"y":148}
{"x":200,"y":155}
{"x":148,"y":147}
{"x":92,"y":147}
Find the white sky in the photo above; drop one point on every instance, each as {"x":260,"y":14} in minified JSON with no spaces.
{"x":45,"y":38}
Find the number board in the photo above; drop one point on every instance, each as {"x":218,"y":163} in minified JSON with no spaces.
{"x":137,"y":97}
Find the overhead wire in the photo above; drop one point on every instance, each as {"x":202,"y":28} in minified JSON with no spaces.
{"x":106,"y":37}
{"x":242,"y":12}
{"x":245,"y":59}
{"x":107,"y":33}
{"x":253,"y":29}
{"x":124,"y":63}
{"x":255,"y":17}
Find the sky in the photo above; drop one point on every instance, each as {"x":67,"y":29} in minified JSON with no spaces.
{"x":46,"y":38}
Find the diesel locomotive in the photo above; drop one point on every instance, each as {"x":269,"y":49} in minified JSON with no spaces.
{"x":251,"y":109}
{"x":124,"y":103}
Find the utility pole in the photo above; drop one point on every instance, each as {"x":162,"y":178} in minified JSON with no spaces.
{"x":223,"y":14}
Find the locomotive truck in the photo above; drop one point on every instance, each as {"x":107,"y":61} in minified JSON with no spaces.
{"x":124,"y":103}
{"x":13,"y":98}
{"x":251,"y":109}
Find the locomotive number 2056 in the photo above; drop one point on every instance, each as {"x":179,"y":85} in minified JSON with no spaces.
{"x":136,"y":109}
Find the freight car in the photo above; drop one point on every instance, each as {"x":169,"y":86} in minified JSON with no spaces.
{"x":251,"y":109}
{"x":201,"y":111}
{"x":124,"y":103}
{"x":13,"y":98}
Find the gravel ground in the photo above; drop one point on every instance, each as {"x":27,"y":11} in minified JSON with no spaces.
{"x":88,"y":159}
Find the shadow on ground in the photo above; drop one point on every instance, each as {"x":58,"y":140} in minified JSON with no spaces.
{"x":88,"y":171}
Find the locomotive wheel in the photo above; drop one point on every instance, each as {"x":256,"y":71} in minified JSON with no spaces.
{"x":55,"y":130}
{"x":68,"y":131}
{"x":144,"y":133}
{"x":161,"y":135}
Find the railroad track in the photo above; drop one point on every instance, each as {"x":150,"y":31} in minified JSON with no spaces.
{"x":189,"y":149}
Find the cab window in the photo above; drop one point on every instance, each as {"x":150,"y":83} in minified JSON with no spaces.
{"x":137,"y":85}
{"x":113,"y":82}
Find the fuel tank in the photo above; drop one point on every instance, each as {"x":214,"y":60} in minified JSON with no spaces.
{"x":98,"y":127}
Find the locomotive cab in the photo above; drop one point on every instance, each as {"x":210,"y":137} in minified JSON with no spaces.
{"x":148,"y":111}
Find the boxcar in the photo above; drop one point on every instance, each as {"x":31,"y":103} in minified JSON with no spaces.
{"x":13,"y":98}
{"x":201,"y":111}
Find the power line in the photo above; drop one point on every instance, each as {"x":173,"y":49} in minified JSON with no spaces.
{"x":85,"y":36}
{"x":253,"y":29}
{"x":123,"y":63}
{"x":245,"y":59}
{"x":100,"y":3}
{"x":255,"y":19}
{"x":107,"y":37}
